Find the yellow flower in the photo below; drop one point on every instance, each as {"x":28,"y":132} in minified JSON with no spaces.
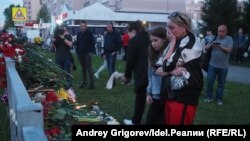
{"x":62,"y":94}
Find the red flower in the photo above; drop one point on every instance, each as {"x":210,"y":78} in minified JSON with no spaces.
{"x":2,"y":59}
{"x":8,"y":50}
{"x":55,"y":131}
{"x":52,"y":132}
{"x":51,"y":96}
{"x":2,"y":69}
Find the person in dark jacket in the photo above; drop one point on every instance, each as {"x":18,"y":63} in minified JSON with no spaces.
{"x":62,"y":43}
{"x":85,"y":47}
{"x":137,"y":62}
{"x":112,"y":44}
{"x":181,"y":90}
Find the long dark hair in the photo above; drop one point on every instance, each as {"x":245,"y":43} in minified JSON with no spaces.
{"x":153,"y":55}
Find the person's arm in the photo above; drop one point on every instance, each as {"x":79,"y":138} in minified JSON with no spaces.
{"x":171,"y":45}
{"x":118,"y":43}
{"x":169,"y":62}
{"x":92,"y":43}
{"x":52,"y":45}
{"x":160,"y":72}
{"x":225,"y":48}
{"x":67,"y":40}
{"x":170,"y":50}
{"x":149,"y":87}
{"x":131,"y":59}
{"x":208,"y":46}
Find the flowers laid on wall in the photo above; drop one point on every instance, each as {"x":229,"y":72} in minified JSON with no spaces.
{"x":60,"y":112}
{"x":60,"y":109}
{"x":8,"y":48}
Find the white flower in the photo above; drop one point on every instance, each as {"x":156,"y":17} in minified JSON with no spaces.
{"x":245,"y":54}
{"x":18,"y":50}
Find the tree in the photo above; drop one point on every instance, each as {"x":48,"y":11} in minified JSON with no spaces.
{"x":43,"y":14}
{"x":246,"y":16}
{"x":8,"y":16}
{"x":217,"y":12}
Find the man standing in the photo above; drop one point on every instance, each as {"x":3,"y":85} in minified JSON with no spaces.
{"x":85,"y":46}
{"x":240,"y":44}
{"x":62,"y":44}
{"x":218,"y":65}
{"x":112,"y":44}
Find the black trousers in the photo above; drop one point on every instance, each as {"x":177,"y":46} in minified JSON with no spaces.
{"x":140,"y":101}
{"x":155,"y":113}
{"x":86,"y":65}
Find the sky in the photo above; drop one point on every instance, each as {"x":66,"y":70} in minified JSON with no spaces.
{"x":4,"y":4}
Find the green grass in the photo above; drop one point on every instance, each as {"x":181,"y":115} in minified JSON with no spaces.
{"x":119,"y":102}
{"x":234,"y":111}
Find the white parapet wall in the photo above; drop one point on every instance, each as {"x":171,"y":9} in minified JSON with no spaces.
{"x":26,"y":117}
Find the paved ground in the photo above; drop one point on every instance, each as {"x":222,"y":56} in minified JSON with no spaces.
{"x":238,"y":74}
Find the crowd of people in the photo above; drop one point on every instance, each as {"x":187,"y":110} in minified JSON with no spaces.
{"x":166,"y":63}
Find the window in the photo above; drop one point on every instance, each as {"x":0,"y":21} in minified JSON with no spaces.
{"x":86,"y":4}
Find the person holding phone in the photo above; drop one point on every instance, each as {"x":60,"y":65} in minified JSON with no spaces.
{"x":216,"y":43}
{"x":218,"y":65}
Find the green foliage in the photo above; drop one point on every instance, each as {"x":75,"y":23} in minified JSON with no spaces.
{"x":43,"y":14}
{"x":217,"y":12}
{"x":39,"y":69}
{"x":8,"y":16}
{"x":246,"y":16}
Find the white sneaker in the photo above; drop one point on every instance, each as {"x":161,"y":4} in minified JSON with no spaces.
{"x":219,"y":102}
{"x":96,"y":76}
{"x":128,"y":122}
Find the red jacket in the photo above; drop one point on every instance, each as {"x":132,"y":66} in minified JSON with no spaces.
{"x":125,"y":39}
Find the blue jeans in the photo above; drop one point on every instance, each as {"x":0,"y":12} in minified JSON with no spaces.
{"x":111,"y":59}
{"x":66,"y":66}
{"x":212,"y":73}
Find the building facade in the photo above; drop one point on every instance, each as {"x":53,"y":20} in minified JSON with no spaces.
{"x":33,"y":7}
{"x":151,"y":6}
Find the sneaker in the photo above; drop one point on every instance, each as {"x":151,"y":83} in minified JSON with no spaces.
{"x":207,"y":100}
{"x":96,"y":76}
{"x":219,"y":102}
{"x":128,"y":122}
